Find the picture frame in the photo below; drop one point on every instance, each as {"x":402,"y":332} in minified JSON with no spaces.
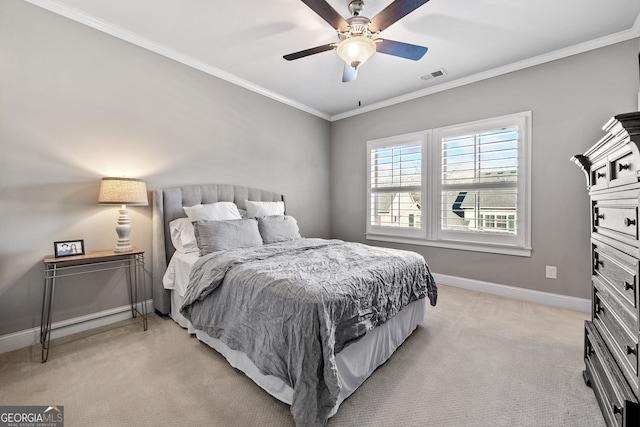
{"x":65,"y":248}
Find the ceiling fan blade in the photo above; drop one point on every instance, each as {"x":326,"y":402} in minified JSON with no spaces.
{"x":392,"y":13}
{"x":403,"y":50}
{"x":328,"y":13}
{"x":349,"y":74}
{"x":307,"y":52}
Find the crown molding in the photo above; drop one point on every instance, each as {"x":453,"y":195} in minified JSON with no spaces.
{"x":136,"y":39}
{"x":509,"y":68}
{"x":636,"y":26}
{"x":121,"y":33}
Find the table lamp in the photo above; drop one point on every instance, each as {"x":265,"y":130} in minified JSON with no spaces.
{"x":123,"y":191}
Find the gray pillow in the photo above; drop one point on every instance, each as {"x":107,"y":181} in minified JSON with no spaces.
{"x":278,"y":228}
{"x":214,"y":236}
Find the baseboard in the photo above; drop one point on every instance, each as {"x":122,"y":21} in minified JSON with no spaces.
{"x":63,"y":328}
{"x":539,"y":297}
{"x":30,"y":337}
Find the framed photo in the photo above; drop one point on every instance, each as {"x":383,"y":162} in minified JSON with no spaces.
{"x":68,"y":248}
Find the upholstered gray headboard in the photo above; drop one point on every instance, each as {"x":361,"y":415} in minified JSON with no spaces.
{"x":168,"y":205}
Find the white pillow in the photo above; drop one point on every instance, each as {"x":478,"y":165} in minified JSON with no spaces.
{"x":260,"y":209}
{"x":220,"y":211}
{"x":183,"y":235}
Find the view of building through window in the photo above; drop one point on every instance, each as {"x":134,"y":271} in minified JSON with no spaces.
{"x":400,"y":209}
{"x":480,"y":211}
{"x":464,"y":186}
{"x":396,"y":180}
{"x":479,"y":181}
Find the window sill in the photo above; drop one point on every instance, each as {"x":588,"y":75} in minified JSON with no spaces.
{"x":463,"y":246}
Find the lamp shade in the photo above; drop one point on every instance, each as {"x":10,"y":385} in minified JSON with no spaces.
{"x":123,"y":191}
{"x":356,"y":50}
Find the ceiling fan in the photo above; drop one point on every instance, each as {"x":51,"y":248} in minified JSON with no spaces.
{"x":359,"y":35}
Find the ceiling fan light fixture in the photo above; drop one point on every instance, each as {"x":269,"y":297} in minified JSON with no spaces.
{"x":356,"y":50}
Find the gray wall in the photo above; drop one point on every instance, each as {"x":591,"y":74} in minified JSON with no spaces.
{"x":77,"y":105}
{"x":570,"y":99}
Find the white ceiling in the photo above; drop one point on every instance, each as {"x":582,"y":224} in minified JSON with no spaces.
{"x":244,"y":41}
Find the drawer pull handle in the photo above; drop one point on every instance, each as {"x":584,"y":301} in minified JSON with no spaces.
{"x":600,"y":175}
{"x":600,"y":216}
{"x":623,"y":166}
{"x":616,"y":409}
{"x":597,"y":263}
{"x":629,"y":221}
{"x":631,"y":350}
{"x":627,"y":286}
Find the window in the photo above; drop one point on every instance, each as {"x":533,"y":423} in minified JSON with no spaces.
{"x":395,"y":185}
{"x":474,"y":179}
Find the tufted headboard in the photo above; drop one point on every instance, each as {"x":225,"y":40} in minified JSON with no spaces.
{"x":168,"y":205}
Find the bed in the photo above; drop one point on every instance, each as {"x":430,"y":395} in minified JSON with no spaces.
{"x":309,"y":346}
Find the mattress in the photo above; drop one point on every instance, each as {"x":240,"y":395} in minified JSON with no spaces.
{"x":355,"y":362}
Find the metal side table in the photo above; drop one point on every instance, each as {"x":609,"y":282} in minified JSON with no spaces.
{"x":91,"y":262}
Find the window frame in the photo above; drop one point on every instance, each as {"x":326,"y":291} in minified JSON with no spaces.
{"x":390,"y":231}
{"x":431,"y":233}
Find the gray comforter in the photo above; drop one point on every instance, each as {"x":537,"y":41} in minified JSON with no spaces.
{"x":292,"y":306}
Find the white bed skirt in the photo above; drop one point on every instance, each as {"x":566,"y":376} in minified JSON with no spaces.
{"x":355,"y":363}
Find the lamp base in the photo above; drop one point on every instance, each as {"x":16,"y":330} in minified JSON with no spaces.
{"x":123,"y":229}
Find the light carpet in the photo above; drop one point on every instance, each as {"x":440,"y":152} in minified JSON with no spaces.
{"x":476,"y":360}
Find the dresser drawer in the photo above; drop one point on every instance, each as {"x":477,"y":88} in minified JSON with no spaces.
{"x":619,"y":270}
{"x":622,"y":343}
{"x":618,"y":403}
{"x":623,"y":165}
{"x":599,"y":177}
{"x":621,"y":219}
{"x":610,"y":296}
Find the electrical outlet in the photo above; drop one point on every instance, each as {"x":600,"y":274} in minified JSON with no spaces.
{"x":551,"y":272}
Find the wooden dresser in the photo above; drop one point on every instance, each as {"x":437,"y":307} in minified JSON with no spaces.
{"x":612,"y":167}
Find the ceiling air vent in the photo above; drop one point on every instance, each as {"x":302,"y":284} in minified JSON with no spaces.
{"x":433,"y":74}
